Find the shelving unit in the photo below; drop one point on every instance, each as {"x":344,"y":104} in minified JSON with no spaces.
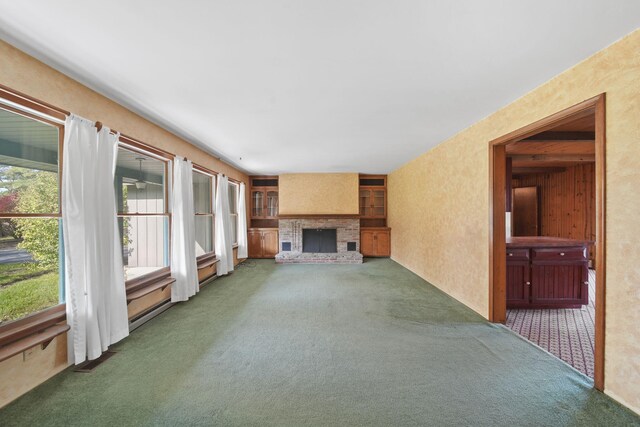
{"x":263,"y":217}
{"x":375,"y":236}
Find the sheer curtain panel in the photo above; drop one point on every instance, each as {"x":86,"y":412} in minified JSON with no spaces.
{"x":96,"y":301}
{"x":242,"y":223}
{"x":224,"y":248}
{"x":183,"y":235}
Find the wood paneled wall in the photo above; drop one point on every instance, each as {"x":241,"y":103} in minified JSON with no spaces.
{"x":567,"y":202}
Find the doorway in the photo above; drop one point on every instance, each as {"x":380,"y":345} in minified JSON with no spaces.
{"x":555,"y":154}
{"x":525,"y":211}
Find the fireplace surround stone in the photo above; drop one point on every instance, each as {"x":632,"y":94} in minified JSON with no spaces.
{"x":290,"y":230}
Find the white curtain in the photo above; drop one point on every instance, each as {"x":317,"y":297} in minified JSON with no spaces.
{"x":242,"y":224}
{"x":183,"y":235}
{"x":224,"y":245}
{"x":95,"y":294}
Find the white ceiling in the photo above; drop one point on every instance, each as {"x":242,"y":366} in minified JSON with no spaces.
{"x":315,"y":86}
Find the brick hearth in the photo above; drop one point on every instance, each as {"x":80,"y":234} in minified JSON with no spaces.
{"x":290,"y":231}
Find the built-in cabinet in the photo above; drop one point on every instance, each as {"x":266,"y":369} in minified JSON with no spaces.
{"x":547,"y":272}
{"x":373,"y":202}
{"x":375,"y":236}
{"x":263,"y":217}
{"x":264,"y":203}
{"x":263,"y":242}
{"x":375,"y":242}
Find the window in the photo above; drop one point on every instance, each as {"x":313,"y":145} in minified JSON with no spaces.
{"x":233,"y":211}
{"x":29,"y":214}
{"x":203,"y":208}
{"x":143,"y":217}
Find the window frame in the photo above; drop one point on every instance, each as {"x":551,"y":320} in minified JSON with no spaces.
{"x":150,"y":278}
{"x":204,"y":259}
{"x":28,"y":107}
{"x":234,"y":216}
{"x":60,"y":127}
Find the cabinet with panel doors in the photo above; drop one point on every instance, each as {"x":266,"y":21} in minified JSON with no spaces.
{"x":375,"y":236}
{"x":263,"y":242}
{"x":547,"y":272}
{"x":375,"y":241}
{"x":263,"y":217}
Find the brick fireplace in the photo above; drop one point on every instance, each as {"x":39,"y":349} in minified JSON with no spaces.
{"x":291,"y":232}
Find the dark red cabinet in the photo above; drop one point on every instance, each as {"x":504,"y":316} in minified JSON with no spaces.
{"x":560,"y":285}
{"x":548,"y":277}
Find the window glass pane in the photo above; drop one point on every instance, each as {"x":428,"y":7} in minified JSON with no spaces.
{"x":257,"y":203}
{"x":378,"y":202}
{"x":365,"y":202}
{"x":28,"y":165}
{"x":145,"y":244}
{"x":233,"y":198}
{"x":272,"y":203}
{"x":234,"y":228}
{"x":204,"y":234}
{"x":140,"y":183}
{"x":201,"y":193}
{"x":29,"y":279}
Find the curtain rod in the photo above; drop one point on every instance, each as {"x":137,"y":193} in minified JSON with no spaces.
{"x":33,"y":103}
{"x":42,"y":107}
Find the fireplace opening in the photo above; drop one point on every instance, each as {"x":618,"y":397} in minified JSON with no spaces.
{"x":319,"y":240}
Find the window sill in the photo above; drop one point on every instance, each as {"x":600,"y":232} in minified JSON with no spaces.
{"x":22,"y":329}
{"x":42,"y":327}
{"x":147,"y":289}
{"x":207,"y":260}
{"x":146,"y":280}
{"x":42,"y":338}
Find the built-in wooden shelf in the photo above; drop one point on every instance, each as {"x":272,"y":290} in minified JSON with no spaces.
{"x":161,"y":284}
{"x":207,"y":261}
{"x":42,"y":338}
{"x":23,"y":328}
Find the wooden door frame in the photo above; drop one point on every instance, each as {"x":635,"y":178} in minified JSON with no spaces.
{"x":497,"y":200}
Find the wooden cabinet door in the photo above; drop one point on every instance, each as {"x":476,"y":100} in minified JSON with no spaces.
{"x":382,"y":243}
{"x":373,"y":202}
{"x":365,"y":202}
{"x":257,"y":203}
{"x":518,"y":284}
{"x":379,"y":203}
{"x":559,"y":284}
{"x":254,"y":238}
{"x":271,"y":204}
{"x":270,"y":243}
{"x":367,"y":243}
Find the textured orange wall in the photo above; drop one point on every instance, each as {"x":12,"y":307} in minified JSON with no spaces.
{"x":439,"y":202}
{"x":318,"y":193}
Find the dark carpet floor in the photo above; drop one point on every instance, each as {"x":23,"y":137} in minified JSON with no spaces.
{"x":369,"y":344}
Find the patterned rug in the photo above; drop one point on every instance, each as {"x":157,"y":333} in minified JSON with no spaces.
{"x":566,"y":333}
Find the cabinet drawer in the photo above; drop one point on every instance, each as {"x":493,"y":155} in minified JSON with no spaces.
{"x":518,"y":254}
{"x":560,"y":254}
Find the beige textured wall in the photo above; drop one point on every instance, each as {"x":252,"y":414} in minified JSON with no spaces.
{"x":25,"y":74}
{"x":318,"y":193}
{"x":439,"y":202}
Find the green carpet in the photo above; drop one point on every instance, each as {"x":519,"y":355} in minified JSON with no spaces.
{"x":369,"y":344}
